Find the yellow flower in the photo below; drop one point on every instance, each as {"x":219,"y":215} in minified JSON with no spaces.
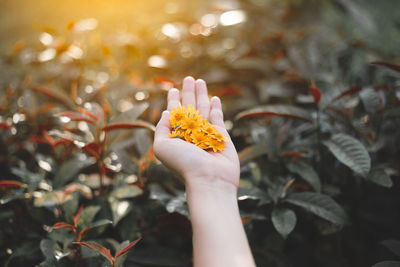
{"x":215,"y":144}
{"x":177,"y":115}
{"x":219,"y":136}
{"x":187,"y":124}
{"x":198,"y":137}
{"x":176,"y":134}
{"x":209,"y":129}
{"x":191,"y":123}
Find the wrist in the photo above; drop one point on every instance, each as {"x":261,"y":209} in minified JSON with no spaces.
{"x":205,"y":186}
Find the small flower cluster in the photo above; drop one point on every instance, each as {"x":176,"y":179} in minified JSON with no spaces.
{"x":187,"y":124}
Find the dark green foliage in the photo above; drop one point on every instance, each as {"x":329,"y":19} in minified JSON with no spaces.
{"x":311,"y":98}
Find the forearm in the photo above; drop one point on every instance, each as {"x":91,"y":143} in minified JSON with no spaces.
{"x":218,"y":236}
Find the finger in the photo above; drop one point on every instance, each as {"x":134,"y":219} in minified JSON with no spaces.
{"x":188,"y":97}
{"x":163,"y":127}
{"x":216,"y":115}
{"x":203,"y":102}
{"x":173,"y":98}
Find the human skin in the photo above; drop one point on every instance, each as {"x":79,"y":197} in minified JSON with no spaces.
{"x":211,"y":180}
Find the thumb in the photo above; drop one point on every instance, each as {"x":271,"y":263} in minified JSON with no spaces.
{"x":163,"y":127}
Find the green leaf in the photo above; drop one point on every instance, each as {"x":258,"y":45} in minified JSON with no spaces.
{"x":306,"y":172}
{"x":98,"y":223}
{"x":71,"y":168}
{"x":51,"y":250}
{"x":350,"y":152}
{"x":127,"y":191}
{"x":284,"y":221}
{"x":319,"y":204}
{"x":119,"y":209}
{"x":387,"y":264}
{"x":50,"y":199}
{"x":99,"y":249}
{"x":87,"y":216}
{"x":379,"y":176}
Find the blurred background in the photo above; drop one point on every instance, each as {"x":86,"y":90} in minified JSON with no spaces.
{"x":310,"y":93}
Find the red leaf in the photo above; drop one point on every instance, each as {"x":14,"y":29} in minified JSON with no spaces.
{"x":61,"y":225}
{"x":164,"y":80}
{"x":127,"y":248}
{"x":77,"y":216}
{"x":4,"y":126}
{"x":43,"y":109}
{"x":351,"y":91}
{"x":99,"y":249}
{"x":276,"y":110}
{"x":62,"y":142}
{"x":136,"y":124}
{"x":37,"y":139}
{"x":76,"y":117}
{"x":48,"y":138}
{"x":228,"y":91}
{"x":54,"y":94}
{"x":10,"y":183}
{"x":87,"y":113}
{"x":391,"y":66}
{"x":93,"y":149}
{"x":316,"y":93}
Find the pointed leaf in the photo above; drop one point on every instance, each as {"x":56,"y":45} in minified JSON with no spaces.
{"x":128,"y":247}
{"x":391,"y":66}
{"x":77,"y":216}
{"x":306,"y":172}
{"x":351,"y":91}
{"x":319,"y":204}
{"x":74,"y":116}
{"x":252,"y":152}
{"x":55,"y":94}
{"x":87,"y":216}
{"x":93,"y":149}
{"x":119,"y":209}
{"x":276,"y":110}
{"x":99,"y":249}
{"x":10,"y":183}
{"x":87,"y":113}
{"x":284,"y":221}
{"x":94,"y":225}
{"x":129,"y":125}
{"x":61,"y":225}
{"x":350,"y":152}
{"x":379,"y":176}
{"x":127,"y":191}
{"x":316,"y":93}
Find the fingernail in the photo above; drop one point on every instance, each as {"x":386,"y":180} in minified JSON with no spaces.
{"x":188,"y":78}
{"x":200,"y":81}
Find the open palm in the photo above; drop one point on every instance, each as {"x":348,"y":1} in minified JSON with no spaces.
{"x":191,"y":162}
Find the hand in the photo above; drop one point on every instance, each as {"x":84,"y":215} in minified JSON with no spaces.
{"x":194,"y":164}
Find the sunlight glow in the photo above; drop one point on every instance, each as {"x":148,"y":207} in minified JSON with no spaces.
{"x":86,"y":25}
{"x":46,"y":39}
{"x":232,"y":17}
{"x":209,"y":20}
{"x":47,"y":55}
{"x":171,"y":31}
{"x":157,"y":61}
